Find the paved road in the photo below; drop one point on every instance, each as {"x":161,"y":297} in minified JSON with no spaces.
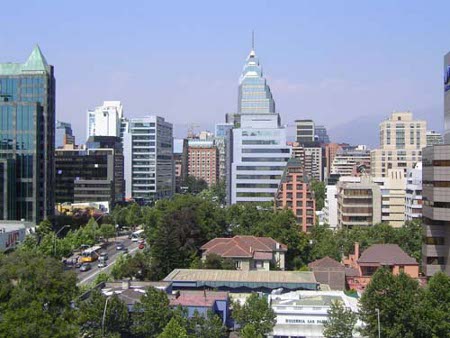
{"x":113,"y":254}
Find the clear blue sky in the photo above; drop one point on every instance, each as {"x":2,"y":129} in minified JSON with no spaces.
{"x":333,"y":61}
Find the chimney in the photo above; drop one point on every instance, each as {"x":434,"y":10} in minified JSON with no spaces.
{"x":125,"y":285}
{"x":356,"y":250}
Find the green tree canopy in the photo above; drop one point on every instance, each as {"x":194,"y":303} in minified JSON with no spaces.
{"x":35,"y":297}
{"x":174,"y":329}
{"x":90,"y":316}
{"x":341,"y":321}
{"x":151,"y":314}
{"x":399,"y":300}
{"x":255,"y":312}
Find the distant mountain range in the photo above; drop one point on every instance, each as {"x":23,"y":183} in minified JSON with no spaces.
{"x":365,"y":129}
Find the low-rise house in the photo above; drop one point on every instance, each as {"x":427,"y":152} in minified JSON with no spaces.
{"x":360,"y":269}
{"x":329,"y":271}
{"x":248,"y":252}
{"x":303,"y":313}
{"x":202,"y":302}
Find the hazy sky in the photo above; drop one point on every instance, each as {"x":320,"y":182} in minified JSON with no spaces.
{"x":332,"y":61}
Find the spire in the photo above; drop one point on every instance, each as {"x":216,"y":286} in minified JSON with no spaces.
{"x":253,"y":40}
{"x":36,"y":61}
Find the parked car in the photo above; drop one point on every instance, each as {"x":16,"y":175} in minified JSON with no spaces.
{"x":85,"y":267}
{"x":103,"y":256}
{"x":102,"y":264}
{"x":120,"y":246}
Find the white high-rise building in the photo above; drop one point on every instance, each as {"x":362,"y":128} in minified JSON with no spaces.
{"x":413,"y":202}
{"x":259,"y":153}
{"x":148,"y":152}
{"x":330,"y":208}
{"x":105,"y":120}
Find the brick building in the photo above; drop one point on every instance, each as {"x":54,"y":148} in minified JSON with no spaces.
{"x":203,"y":162}
{"x":294,"y":193}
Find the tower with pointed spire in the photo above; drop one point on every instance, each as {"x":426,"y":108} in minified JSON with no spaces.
{"x":27,"y":139}
{"x":259,"y":151}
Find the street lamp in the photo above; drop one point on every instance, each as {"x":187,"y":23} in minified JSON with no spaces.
{"x":104,"y":316}
{"x":54,"y":238}
{"x":378,"y":319}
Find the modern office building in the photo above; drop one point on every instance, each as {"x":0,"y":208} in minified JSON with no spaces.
{"x":63,"y":134}
{"x":413,"y":195}
{"x":436,"y":209}
{"x":358,"y":202}
{"x":351,"y":162}
{"x":106,"y":120}
{"x":222,"y":140}
{"x":180,"y":158}
{"x":110,"y":145}
{"x":330,"y":211}
{"x":447,"y":98}
{"x":83,"y":177}
{"x":203,"y":163}
{"x":434,"y":138}
{"x":311,"y":157}
{"x":149,"y":167}
{"x":27,"y":137}
{"x":330,"y":150}
{"x":306,"y":133}
{"x":294,"y":194}
{"x":321,"y":134}
{"x":401,"y":141}
{"x":259,"y":151}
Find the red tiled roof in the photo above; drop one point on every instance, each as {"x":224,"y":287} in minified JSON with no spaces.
{"x":386,"y":254}
{"x":261,"y":255}
{"x":198,"y":298}
{"x":242,"y":246}
{"x":326,"y":262}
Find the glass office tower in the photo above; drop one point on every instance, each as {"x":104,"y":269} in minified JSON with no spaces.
{"x":27,"y":136}
{"x":259,"y":153}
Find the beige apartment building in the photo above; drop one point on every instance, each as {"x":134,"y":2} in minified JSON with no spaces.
{"x":401,"y":141}
{"x":359,"y":202}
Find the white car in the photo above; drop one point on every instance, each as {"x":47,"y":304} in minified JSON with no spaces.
{"x":102,"y":264}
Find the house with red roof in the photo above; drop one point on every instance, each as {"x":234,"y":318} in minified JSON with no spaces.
{"x":248,"y":252}
{"x":360,"y":269}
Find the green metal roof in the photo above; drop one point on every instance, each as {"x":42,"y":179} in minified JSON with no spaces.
{"x":36,"y":63}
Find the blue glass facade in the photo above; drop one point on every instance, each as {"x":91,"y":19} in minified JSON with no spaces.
{"x":255,"y":96}
{"x":27,"y":120}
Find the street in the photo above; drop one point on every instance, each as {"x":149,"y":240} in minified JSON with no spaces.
{"x":113,"y":254}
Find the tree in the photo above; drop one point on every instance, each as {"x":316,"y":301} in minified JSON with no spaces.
{"x":250,"y":331}
{"x":195,"y":185}
{"x":90,"y":315}
{"x":133,"y":215}
{"x":206,"y":327}
{"x":174,"y":329}
{"x":35,"y":297}
{"x":341,"y":322}
{"x":324,"y":243}
{"x":151,"y":314}
{"x":399,"y":300}
{"x":107,"y":231}
{"x":437,"y":304}
{"x":44,"y":228}
{"x":257,"y":312}
{"x":319,"y":193}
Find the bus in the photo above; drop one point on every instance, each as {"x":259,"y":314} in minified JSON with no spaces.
{"x":90,"y":254}
{"x":137,"y":235}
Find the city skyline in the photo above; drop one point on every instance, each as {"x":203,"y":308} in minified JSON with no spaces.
{"x":169,"y":64}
